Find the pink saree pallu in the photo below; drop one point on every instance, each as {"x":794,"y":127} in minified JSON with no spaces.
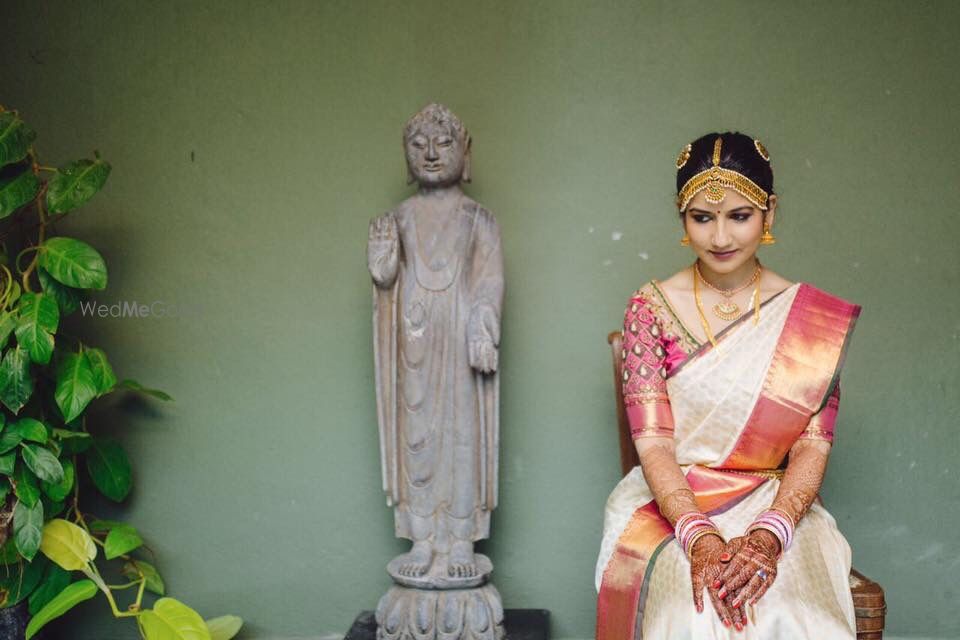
{"x":738,"y":408}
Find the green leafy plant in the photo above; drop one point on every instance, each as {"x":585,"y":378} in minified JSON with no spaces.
{"x":47,"y":382}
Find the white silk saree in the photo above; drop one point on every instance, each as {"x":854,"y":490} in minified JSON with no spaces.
{"x":737,"y":408}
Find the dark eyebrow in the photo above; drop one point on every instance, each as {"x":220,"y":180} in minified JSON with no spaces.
{"x":744,"y":209}
{"x":694,"y":209}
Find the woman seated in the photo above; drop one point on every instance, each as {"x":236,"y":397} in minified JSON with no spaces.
{"x":731,"y":385}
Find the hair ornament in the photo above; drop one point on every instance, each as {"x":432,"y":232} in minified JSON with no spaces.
{"x":684,"y":156}
{"x":716,"y":178}
{"x":762,"y":150}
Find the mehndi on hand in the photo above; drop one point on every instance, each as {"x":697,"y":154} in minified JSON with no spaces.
{"x":706,"y":566}
{"x":751,"y":570}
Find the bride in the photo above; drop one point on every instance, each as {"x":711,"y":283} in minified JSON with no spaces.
{"x":731,"y":385}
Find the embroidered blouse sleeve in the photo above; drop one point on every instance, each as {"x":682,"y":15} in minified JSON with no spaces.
{"x":644,"y":372}
{"x":821,"y":423}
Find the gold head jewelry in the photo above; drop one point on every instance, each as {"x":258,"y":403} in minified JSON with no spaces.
{"x":716,"y":179}
{"x":684,"y":156}
{"x":762,"y":150}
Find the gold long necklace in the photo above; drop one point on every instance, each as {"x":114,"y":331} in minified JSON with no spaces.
{"x":727,"y":309}
{"x":754,"y":301}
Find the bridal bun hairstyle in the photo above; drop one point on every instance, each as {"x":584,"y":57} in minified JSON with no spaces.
{"x":738,"y":153}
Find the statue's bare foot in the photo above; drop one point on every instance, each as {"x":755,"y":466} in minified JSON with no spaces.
{"x":417,"y":561}
{"x":462,"y":563}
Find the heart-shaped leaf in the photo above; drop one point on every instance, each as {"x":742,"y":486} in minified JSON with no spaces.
{"x":224,"y":627}
{"x":7,"y":465}
{"x":109,"y":468}
{"x":121,"y":540}
{"x":60,"y":490}
{"x":29,"y":429}
{"x":68,"y":298}
{"x":64,"y":601}
{"x":15,"y":138}
{"x":73,"y":263}
{"x":17,"y":190}
{"x":76,"y":183}
{"x":172,"y":620}
{"x":103,"y":374}
{"x":16,"y":385}
{"x":43,"y":463}
{"x":39,"y":317}
{"x":137,"y":568}
{"x":67,"y":545}
{"x":9,"y":439}
{"x":28,"y":528}
{"x":76,"y":386}
{"x":25,"y":485}
{"x":54,"y":581}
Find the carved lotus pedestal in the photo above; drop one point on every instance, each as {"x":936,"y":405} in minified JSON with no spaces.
{"x":436,"y":606}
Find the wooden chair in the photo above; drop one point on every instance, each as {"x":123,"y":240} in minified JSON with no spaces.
{"x":868,"y":600}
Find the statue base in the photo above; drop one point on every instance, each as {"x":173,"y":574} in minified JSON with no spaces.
{"x":520,"y":624}
{"x":456,"y":614}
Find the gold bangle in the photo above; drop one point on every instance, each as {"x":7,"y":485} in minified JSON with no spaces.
{"x":700,"y":534}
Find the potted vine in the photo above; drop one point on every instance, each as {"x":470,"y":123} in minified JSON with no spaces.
{"x":51,"y":550}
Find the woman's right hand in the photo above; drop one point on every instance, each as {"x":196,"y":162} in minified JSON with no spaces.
{"x":706,"y":565}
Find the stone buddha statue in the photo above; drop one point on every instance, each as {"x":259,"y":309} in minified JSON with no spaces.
{"x":437,"y":270}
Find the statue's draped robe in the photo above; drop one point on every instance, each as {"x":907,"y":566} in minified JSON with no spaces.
{"x":438,"y":416}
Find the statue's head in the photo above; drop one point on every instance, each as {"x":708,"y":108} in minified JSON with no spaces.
{"x":437,"y":147}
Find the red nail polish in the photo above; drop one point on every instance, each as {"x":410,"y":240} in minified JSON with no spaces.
{"x":717,"y":584}
{"x":723,"y":593}
{"x":726,"y":623}
{"x":739,"y":627}
{"x":736,"y":604}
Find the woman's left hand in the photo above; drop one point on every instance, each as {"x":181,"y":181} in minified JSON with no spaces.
{"x":752,"y":568}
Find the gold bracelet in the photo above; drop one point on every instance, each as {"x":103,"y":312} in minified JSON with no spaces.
{"x":700,"y":534}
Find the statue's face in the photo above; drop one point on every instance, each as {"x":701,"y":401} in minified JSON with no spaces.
{"x":435,"y":156}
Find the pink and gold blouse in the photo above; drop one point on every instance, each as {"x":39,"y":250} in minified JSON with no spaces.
{"x":655,"y":344}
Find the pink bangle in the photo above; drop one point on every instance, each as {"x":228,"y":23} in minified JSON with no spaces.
{"x":777,"y":523}
{"x":690,"y":527}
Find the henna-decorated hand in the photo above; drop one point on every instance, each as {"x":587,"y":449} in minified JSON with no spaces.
{"x":751,"y":570}
{"x":706,"y":566}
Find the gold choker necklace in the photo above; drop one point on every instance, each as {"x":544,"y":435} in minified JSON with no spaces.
{"x":755,"y":300}
{"x":727,"y":309}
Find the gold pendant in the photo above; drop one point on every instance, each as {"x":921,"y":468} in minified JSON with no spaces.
{"x":727,"y":310}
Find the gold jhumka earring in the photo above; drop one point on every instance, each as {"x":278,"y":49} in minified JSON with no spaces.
{"x":767,"y":237}
{"x":685,"y":240}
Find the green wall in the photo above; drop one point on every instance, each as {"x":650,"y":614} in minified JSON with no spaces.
{"x":251,"y":143}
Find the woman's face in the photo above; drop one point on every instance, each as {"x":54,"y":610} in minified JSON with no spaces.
{"x":725,"y":236}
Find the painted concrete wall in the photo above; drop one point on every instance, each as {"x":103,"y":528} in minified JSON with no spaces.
{"x":252,"y":141}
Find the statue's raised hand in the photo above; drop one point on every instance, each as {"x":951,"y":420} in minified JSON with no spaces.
{"x":383,"y":249}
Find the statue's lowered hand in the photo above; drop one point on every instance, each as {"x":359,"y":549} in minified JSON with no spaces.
{"x":483,"y":355}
